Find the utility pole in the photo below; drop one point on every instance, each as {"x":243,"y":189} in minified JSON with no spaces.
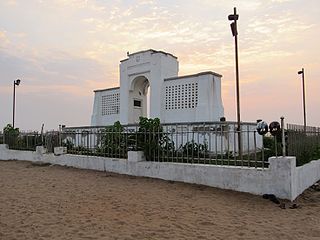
{"x":15,"y":82}
{"x":304,"y":102}
{"x":234,"y":29}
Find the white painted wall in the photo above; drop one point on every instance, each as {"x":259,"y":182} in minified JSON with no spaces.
{"x":306,"y":175}
{"x":205,"y":89}
{"x":98,"y":118}
{"x":218,"y":140}
{"x":282,"y":178}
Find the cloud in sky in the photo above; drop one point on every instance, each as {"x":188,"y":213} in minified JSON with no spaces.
{"x":64,"y":49}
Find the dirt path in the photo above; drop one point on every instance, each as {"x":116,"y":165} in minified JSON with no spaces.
{"x":52,"y":202}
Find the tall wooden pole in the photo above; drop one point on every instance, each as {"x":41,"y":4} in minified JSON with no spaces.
{"x":304,"y":104}
{"x":14,"y":102}
{"x":234,"y":28}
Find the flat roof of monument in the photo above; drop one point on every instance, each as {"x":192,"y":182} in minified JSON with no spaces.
{"x":149,"y":50}
{"x":106,"y":89}
{"x":194,"y":75}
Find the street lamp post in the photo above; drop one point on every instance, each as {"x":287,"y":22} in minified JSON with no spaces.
{"x":304,"y":101}
{"x":234,"y":29}
{"x":15,"y":82}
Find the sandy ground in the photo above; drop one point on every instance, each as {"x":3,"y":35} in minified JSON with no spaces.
{"x":55,"y":202}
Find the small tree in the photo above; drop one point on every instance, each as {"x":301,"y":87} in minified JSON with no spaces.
{"x":113,"y":141}
{"x":11,"y":135}
{"x":152,"y":140}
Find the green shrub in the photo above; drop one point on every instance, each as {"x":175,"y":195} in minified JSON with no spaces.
{"x":11,"y":136}
{"x":152,"y":140}
{"x":113,"y":141}
{"x":195,"y":149}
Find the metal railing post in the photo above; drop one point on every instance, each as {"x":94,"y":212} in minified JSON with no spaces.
{"x":283,"y":138}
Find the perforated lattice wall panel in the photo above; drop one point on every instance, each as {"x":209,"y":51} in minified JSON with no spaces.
{"x":181,"y":96}
{"x":110,"y":104}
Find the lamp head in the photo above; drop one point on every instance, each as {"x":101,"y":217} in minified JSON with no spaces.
{"x":17,"y":82}
{"x":234,"y":29}
{"x":300,"y":72}
{"x":233,"y":17}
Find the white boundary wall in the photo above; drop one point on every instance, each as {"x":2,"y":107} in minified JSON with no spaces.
{"x":306,"y":176}
{"x":282,"y":178}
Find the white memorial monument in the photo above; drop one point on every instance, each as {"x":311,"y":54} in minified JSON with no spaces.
{"x":171,"y":98}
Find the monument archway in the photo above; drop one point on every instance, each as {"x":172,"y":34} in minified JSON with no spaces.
{"x":139,"y":98}
{"x":139,"y":71}
{"x":150,"y":87}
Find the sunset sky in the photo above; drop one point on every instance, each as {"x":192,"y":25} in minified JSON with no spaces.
{"x":62,"y":50}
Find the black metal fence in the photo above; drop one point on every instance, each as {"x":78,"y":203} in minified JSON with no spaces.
{"x":96,"y":141}
{"x":1,"y":138}
{"x":22,"y":140}
{"x":30,"y":140}
{"x":304,"y":144}
{"x":51,"y":139}
{"x":205,"y":143}
{"x":198,"y":143}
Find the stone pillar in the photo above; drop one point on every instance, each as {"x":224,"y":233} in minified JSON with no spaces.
{"x":60,"y":151}
{"x":284,"y":178}
{"x":136,"y":156}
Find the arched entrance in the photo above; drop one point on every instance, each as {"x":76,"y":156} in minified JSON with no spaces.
{"x":139,"y":98}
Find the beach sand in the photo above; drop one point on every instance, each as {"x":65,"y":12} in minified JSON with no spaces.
{"x":53,"y":202}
